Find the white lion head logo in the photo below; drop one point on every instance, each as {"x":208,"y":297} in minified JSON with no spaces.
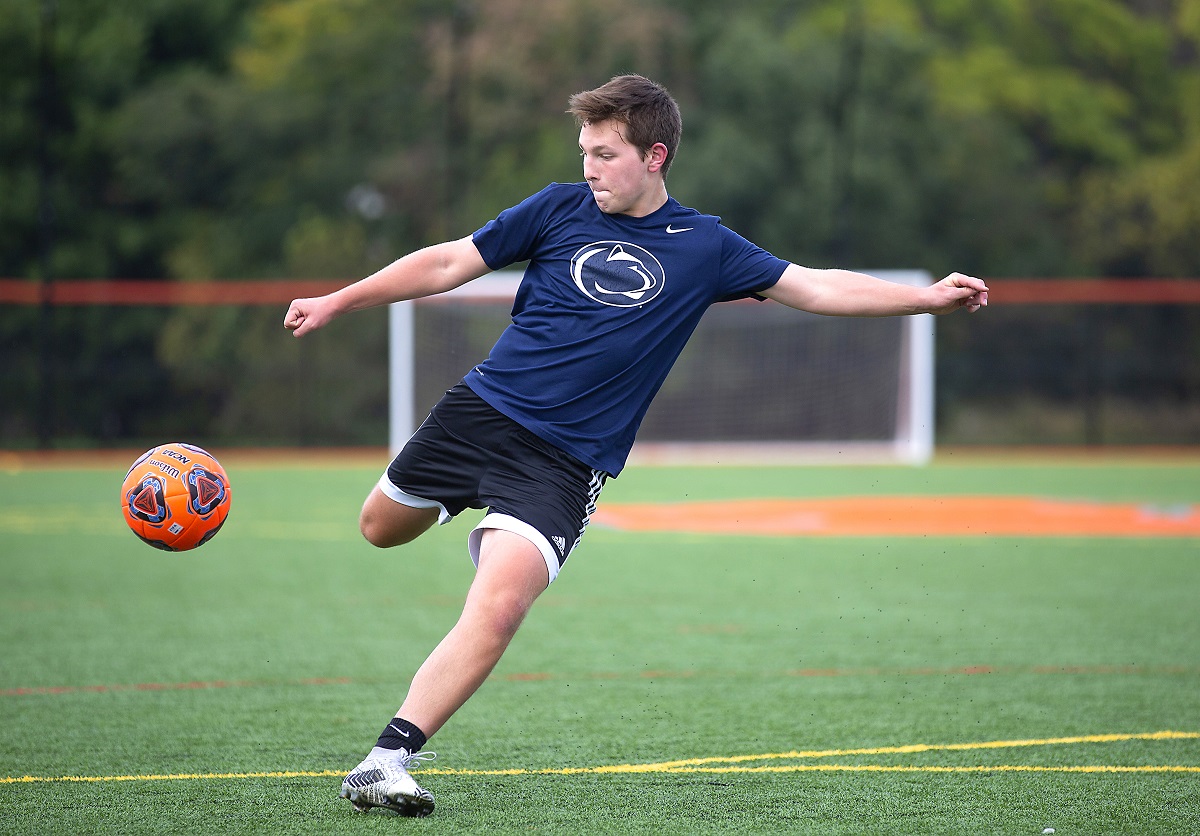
{"x":618,"y":274}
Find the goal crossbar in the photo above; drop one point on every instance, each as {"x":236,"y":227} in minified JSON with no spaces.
{"x":884,"y":399}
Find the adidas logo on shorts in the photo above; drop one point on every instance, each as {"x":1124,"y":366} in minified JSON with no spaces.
{"x":560,"y":543}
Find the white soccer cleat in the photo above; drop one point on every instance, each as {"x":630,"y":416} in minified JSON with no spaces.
{"x":383,"y":781}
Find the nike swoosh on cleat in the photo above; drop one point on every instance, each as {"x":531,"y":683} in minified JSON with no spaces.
{"x":672,"y":230}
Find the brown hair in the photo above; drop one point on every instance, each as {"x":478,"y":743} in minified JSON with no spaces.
{"x":644,"y":107}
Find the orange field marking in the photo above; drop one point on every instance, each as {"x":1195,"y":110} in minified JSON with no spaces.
{"x":983,"y":516}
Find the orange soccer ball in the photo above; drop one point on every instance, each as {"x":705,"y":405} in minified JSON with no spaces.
{"x":175,"y":497}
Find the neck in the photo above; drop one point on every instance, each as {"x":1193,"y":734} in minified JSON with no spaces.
{"x":650,"y":203}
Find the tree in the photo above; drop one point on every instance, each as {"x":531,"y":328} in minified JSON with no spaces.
{"x":1143,"y":219}
{"x":939,"y":134}
{"x":68,"y":69}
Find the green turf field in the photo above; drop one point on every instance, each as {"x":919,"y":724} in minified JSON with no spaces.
{"x":666,"y":683}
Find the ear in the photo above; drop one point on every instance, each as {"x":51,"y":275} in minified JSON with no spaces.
{"x":656,"y":157}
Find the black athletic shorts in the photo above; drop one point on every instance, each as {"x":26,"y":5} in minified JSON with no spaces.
{"x":469,"y":455}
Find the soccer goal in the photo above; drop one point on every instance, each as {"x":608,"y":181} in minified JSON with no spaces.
{"x":758,"y":383}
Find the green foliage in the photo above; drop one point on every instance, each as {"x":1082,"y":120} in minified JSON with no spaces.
{"x":1144,"y":221}
{"x":236,"y":139}
{"x":68,"y":69}
{"x":232,"y":138}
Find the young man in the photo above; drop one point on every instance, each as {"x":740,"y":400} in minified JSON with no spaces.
{"x":619,"y":275}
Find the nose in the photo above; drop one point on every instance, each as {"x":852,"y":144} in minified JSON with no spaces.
{"x":589,"y":170}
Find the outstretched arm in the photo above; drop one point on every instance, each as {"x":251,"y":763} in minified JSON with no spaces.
{"x":846,"y":293}
{"x":425,"y":272}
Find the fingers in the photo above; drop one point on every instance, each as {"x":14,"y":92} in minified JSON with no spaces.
{"x":963,"y":280}
{"x":306,"y":315}
{"x":973,"y":302}
{"x":295,"y":318}
{"x":978,"y":298}
{"x":958,"y":291}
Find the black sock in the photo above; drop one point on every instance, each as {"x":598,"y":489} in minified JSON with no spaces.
{"x":401,"y":734}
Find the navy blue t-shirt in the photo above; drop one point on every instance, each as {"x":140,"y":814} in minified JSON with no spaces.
{"x":606,"y":305}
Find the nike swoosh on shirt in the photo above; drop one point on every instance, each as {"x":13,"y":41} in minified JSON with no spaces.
{"x":672,"y":230}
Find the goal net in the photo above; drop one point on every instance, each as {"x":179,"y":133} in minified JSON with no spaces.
{"x":758,"y":382}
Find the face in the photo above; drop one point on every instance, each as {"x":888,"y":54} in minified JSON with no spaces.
{"x":622,"y":181}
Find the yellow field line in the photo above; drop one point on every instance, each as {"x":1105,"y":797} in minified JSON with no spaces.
{"x":181,"y":776}
{"x":629,"y":769}
{"x":638,"y":769}
{"x":927,"y":747}
{"x":696,"y":765}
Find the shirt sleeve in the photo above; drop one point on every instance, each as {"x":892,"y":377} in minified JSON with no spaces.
{"x":514,"y":233}
{"x":746,"y":269}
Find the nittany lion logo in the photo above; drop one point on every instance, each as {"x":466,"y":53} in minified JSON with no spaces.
{"x":617,"y":274}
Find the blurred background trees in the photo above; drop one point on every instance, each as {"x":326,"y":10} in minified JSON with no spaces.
{"x":234,"y":139}
{"x":237,"y":138}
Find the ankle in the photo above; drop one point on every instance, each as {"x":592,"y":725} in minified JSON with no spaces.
{"x":401,"y":734}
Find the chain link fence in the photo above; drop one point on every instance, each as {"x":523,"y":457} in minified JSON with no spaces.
{"x":96,"y":375}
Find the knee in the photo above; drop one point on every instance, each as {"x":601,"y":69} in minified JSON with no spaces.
{"x":381,"y":534}
{"x":507,"y":618}
{"x":383,"y":531}
{"x":374,"y":532}
{"x":501,"y":615}
{"x":385,"y":523}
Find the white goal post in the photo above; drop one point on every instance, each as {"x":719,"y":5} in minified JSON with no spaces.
{"x":759,"y":383}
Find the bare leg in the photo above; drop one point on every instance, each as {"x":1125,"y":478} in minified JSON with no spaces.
{"x":511,"y":575}
{"x":386,"y":523}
